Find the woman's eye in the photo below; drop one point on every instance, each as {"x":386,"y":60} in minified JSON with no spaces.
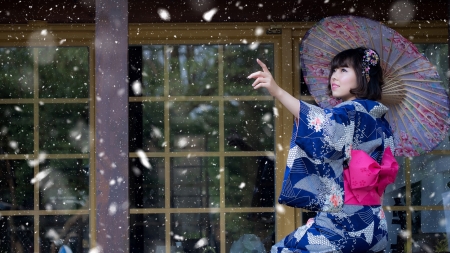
{"x":343,"y":70}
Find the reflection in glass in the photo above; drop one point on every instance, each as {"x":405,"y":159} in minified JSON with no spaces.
{"x":194,"y":126}
{"x":63,"y":72}
{"x":16,"y":129}
{"x":146,"y":121}
{"x":445,"y":143}
{"x":431,"y":231}
{"x":242,"y":228}
{"x":396,"y":191}
{"x":64,"y":230}
{"x":147,"y":183}
{"x":16,"y":72}
{"x":16,"y":191}
{"x":17,"y":234}
{"x":152,"y":70}
{"x":430,"y":179}
{"x":249,"y":181}
{"x":65,"y":184}
{"x":437,"y":54}
{"x":195,"y":232}
{"x":64,"y":128}
{"x":239,"y":61}
{"x":147,"y":233}
{"x":249,"y":126}
{"x":193,"y":70}
{"x":195,"y":182}
{"x":396,"y":224}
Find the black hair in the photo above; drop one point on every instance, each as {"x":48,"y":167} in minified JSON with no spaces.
{"x":353,"y":58}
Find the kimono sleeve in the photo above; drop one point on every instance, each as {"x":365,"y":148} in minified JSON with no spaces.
{"x":325,"y":134}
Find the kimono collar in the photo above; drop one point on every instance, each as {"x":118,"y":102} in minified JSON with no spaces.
{"x":374,"y":108}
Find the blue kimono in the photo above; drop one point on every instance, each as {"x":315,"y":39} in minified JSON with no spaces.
{"x":321,"y":144}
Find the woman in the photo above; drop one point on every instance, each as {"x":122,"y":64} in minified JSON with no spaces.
{"x":340,"y":159}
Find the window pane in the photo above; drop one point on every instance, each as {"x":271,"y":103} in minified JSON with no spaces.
{"x":146,"y":131}
{"x":195,"y":182}
{"x":16,"y":190}
{"x":249,"y":181}
{"x":64,"y":230}
{"x":194,"y":126}
{"x":430,"y":231}
{"x":16,"y":72}
{"x":193,"y":70}
{"x":17,"y":233}
{"x":195,"y":232}
{"x":239,"y":62}
{"x":64,"y":128}
{"x":65,"y":184}
{"x":16,"y":126}
{"x":242,"y":229}
{"x":430,"y":179}
{"x":63,"y":72}
{"x":249,"y":126}
{"x":147,"y":183}
{"x":147,"y":233}
{"x":153,"y":70}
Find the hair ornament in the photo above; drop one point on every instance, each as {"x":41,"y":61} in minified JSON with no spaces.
{"x":370,"y":58}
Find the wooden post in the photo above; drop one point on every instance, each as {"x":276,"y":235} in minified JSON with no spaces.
{"x":111,"y":124}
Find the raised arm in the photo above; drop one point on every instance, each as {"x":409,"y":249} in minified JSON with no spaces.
{"x":264,"y":79}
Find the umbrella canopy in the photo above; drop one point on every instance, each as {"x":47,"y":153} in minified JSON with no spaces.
{"x":418,"y":103}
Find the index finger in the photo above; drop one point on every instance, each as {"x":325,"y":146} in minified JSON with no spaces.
{"x":263,"y":66}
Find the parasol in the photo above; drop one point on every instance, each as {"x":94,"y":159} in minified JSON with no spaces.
{"x":418,"y":103}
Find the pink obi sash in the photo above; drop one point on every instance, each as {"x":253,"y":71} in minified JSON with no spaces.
{"x":365,"y":180}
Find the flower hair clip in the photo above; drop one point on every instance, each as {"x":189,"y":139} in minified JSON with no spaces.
{"x":370,"y":58}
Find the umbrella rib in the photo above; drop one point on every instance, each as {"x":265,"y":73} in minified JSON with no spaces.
{"x":429,"y":100}
{"x":401,"y":67}
{"x":394,"y":62}
{"x":316,"y":76}
{"x":337,"y":50}
{"x":321,"y":49}
{"x":370,"y":37}
{"x":351,"y":35}
{"x":393,"y":84}
{"x":318,"y":57}
{"x":357,"y":30}
{"x":337,"y":42}
{"x":394,"y":88}
{"x":425,"y":116}
{"x":413,"y":71}
{"x":401,"y":118}
{"x":422,"y":81}
{"x":431,"y":110}
{"x":381,"y":43}
{"x":388,"y":71}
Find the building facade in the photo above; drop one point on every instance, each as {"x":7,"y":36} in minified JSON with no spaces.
{"x":131,"y":127}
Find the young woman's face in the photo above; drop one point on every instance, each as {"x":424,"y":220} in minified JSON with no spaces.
{"x":342,"y":81}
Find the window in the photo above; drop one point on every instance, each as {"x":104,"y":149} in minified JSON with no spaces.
{"x":45,"y":150}
{"x":203,"y":147}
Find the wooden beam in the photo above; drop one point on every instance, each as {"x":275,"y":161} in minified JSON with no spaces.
{"x":111,"y":124}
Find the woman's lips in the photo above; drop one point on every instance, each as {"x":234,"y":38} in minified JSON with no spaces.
{"x":334,"y":86}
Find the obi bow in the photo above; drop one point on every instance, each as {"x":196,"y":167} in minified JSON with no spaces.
{"x":365,"y":180}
